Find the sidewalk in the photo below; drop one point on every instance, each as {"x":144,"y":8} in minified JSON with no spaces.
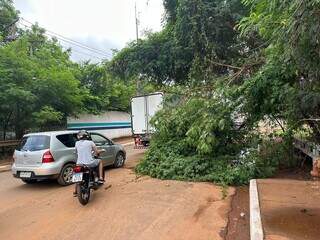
{"x":290,"y":209}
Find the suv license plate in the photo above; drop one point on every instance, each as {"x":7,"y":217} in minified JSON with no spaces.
{"x":77,"y":177}
{"x":25,"y":174}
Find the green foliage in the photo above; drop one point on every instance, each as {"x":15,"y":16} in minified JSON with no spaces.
{"x":152,"y":57}
{"x":209,"y":122}
{"x":200,"y":140}
{"x":32,"y":82}
{"x":47,"y":115}
{"x":288,"y":84}
{"x":269,"y":93}
{"x":104,"y":92}
{"x":232,"y":164}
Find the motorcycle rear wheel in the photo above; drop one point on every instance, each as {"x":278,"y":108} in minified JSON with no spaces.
{"x":83,"y":194}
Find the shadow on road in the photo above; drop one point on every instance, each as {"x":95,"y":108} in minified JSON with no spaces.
{"x":40,"y":185}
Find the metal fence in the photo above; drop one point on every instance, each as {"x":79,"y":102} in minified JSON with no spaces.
{"x":9,"y":143}
{"x":7,"y":146}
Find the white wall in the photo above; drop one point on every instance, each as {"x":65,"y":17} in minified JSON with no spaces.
{"x":112,"y":124}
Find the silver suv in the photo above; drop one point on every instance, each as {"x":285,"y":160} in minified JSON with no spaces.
{"x":51,"y":155}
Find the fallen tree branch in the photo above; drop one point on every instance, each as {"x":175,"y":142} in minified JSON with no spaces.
{"x":225,"y":65}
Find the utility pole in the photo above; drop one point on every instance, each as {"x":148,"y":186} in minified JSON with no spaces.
{"x":137,"y":21}
{"x":138,"y":80}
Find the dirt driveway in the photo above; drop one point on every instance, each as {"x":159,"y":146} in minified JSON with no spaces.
{"x":132,"y":208}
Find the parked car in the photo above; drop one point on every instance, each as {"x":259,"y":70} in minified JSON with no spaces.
{"x":51,"y":155}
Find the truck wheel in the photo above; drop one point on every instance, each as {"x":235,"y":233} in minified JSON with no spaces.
{"x":65,"y":177}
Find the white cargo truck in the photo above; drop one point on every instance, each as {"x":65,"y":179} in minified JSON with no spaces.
{"x":143,"y":108}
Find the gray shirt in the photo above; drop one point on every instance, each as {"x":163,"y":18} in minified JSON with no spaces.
{"x":84,"y":150}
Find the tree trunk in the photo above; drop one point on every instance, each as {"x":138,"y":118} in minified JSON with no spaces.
{"x":4,"y":135}
{"x":18,"y":128}
{"x":6,"y":124}
{"x":316,"y":131}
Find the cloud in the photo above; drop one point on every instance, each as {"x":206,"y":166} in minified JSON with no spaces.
{"x":24,"y":6}
{"x":102,"y":24}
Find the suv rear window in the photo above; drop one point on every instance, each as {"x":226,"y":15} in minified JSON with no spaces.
{"x":69,"y":140}
{"x":34,"y":143}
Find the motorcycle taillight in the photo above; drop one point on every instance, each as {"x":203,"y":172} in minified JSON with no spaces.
{"x":77,"y":169}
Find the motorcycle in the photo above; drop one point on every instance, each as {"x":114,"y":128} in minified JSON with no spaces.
{"x":86,"y":180}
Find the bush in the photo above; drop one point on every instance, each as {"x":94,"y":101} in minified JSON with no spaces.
{"x":166,"y":163}
{"x":198,"y":141}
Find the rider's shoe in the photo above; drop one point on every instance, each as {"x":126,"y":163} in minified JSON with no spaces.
{"x":101,"y":181}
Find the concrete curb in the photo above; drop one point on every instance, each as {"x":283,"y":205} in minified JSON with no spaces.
{"x":256,"y":231}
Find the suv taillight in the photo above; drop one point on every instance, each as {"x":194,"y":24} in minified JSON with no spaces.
{"x":47,"y":157}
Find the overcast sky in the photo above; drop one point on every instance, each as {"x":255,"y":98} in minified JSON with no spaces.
{"x":101,"y":24}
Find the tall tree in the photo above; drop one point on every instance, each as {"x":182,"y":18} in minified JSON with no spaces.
{"x":36,"y":77}
{"x":195,"y":36}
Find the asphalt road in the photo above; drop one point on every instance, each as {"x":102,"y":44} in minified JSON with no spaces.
{"x":127,"y":207}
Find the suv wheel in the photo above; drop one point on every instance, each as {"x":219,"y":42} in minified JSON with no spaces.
{"x":65,"y":177}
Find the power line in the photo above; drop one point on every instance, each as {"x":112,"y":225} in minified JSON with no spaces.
{"x":49,"y":35}
{"x":71,"y":41}
{"x":66,"y":48}
{"x":73,"y":50}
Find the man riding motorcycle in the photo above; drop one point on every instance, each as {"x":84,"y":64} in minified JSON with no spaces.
{"x":84,"y":148}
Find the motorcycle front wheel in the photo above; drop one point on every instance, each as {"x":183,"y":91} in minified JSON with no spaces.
{"x":83,"y":194}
